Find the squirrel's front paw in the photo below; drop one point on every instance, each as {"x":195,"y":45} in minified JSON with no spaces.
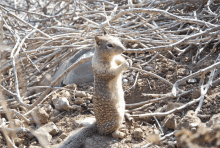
{"x":128,"y":63}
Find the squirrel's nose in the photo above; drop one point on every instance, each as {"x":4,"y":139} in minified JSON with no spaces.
{"x":123,"y":48}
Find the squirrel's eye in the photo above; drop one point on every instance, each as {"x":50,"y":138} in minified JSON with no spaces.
{"x":110,"y":45}
{"x":98,"y":42}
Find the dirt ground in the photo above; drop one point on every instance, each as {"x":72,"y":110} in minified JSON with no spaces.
{"x":67,"y":121}
{"x":145,"y":84}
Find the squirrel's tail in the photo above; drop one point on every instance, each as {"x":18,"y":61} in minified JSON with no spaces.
{"x":76,"y":140}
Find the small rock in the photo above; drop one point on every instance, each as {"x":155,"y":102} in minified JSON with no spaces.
{"x":65,"y":94}
{"x":87,"y":122}
{"x":89,"y":97}
{"x":164,"y":60}
{"x":50,"y":128}
{"x":214,"y":121}
{"x":91,"y":88}
{"x":72,"y":86}
{"x":44,"y":138}
{"x":191,"y":81}
{"x":79,"y":101}
{"x":16,"y":123}
{"x":138,"y":133}
{"x":56,"y":103}
{"x":40,"y":115}
{"x":64,"y":103}
{"x":189,"y":120}
{"x":171,"y":121}
{"x":203,"y":137}
{"x":171,"y":68}
{"x":196,"y":93}
{"x":153,"y":138}
{"x":118,"y":134}
{"x":75,"y":107}
{"x":125,"y":81}
{"x":148,"y":68}
{"x":79,"y":109}
{"x":59,"y":140}
{"x":53,"y":119}
{"x":140,"y":84}
{"x":164,"y":70}
{"x":169,"y":77}
{"x":63,"y":136}
{"x":172,"y":105}
{"x":182,"y":72}
{"x":48,"y":108}
{"x":61,"y":103}
{"x":80,"y":94}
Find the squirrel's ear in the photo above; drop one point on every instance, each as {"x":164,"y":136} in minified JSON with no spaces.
{"x":97,"y":40}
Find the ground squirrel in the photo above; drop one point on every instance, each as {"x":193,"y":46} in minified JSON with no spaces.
{"x":108,"y":97}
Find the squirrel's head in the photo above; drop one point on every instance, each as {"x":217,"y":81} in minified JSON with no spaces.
{"x":108,"y":45}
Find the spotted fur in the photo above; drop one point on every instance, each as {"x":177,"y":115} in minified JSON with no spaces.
{"x":108,"y":97}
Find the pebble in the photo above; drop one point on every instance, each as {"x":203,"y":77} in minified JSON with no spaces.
{"x":16,"y":123}
{"x":191,"y":81}
{"x":48,"y":108}
{"x":190,"y":120}
{"x":171,"y":121}
{"x":125,"y":81}
{"x":182,"y":72}
{"x":118,"y":134}
{"x":39,"y":115}
{"x":214,"y":121}
{"x":138,"y":133}
{"x":89,"y":97}
{"x":148,"y":68}
{"x":44,"y":138}
{"x":65,"y":94}
{"x":64,"y":103}
{"x":50,"y":127}
{"x":79,"y":101}
{"x":61,"y":103}
{"x":80,"y":94}
{"x":173,"y":105}
{"x":63,"y":136}
{"x":87,"y":122}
